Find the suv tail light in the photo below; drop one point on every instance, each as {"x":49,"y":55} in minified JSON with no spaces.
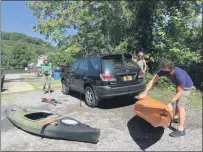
{"x":107,"y":77}
{"x":141,"y":74}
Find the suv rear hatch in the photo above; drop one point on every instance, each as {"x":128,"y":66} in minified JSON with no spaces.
{"x":119,"y":70}
{"x":134,"y":71}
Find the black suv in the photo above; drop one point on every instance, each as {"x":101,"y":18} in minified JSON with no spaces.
{"x":102,"y":77}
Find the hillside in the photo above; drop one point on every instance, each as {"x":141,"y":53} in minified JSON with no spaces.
{"x":18,"y":50}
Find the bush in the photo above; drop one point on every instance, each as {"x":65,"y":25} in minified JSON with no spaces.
{"x":164,"y":83}
{"x":60,"y":58}
{"x":148,"y":77}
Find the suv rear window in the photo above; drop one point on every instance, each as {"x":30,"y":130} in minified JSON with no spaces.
{"x":131,"y":64}
{"x":115,"y":63}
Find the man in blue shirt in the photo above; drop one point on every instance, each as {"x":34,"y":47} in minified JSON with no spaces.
{"x":183,"y":84}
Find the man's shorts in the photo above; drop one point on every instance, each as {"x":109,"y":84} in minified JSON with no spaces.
{"x":184,"y":98}
{"x":47,"y":79}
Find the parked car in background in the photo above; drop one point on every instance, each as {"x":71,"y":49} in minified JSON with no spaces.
{"x":103,"y":76}
{"x":2,"y":78}
{"x":32,"y":68}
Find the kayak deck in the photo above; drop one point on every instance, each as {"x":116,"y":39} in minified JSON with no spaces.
{"x":57,"y":127}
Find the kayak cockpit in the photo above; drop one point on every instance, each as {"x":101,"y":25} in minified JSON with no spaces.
{"x":38,"y":115}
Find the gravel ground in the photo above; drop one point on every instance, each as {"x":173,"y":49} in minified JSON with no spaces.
{"x":121,"y":129}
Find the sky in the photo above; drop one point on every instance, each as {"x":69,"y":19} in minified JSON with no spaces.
{"x":17,"y":17}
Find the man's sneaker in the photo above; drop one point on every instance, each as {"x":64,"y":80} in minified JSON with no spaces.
{"x":177,"y":133}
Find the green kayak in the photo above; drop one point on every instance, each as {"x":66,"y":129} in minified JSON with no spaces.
{"x":52,"y":125}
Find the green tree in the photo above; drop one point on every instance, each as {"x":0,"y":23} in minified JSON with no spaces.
{"x":18,"y":50}
{"x":165,"y":29}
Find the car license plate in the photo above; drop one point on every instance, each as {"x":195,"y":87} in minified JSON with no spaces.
{"x":127,"y":78}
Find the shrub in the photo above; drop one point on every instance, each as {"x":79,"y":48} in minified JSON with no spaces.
{"x":164,"y":83}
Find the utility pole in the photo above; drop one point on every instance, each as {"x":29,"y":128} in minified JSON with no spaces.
{"x":202,"y":44}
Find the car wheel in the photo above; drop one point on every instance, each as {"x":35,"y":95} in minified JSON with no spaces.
{"x":65,"y":89}
{"x":90,"y":99}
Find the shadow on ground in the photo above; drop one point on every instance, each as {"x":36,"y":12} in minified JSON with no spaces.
{"x":34,"y":79}
{"x":3,"y":90}
{"x":110,"y":103}
{"x":51,"y":91}
{"x":143,"y":133}
{"x":117,"y":102}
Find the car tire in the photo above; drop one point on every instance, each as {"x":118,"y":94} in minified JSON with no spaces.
{"x":65,"y":88}
{"x":90,"y":98}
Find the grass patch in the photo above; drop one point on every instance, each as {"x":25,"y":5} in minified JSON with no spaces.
{"x":26,"y":75}
{"x":195,"y":99}
{"x":8,"y":97}
{"x":165,"y":95}
{"x":56,"y":82}
{"x":160,"y":96}
{"x":164,"y":91}
{"x":37,"y":85}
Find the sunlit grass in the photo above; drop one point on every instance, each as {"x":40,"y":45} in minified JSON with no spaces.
{"x":164,"y":95}
{"x":38,"y":85}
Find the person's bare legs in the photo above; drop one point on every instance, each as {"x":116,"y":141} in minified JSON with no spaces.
{"x":49,"y":83}
{"x":176,"y":113}
{"x":182,"y":115}
{"x":49,"y":88}
{"x":180,"y":131}
{"x":170,"y":106}
{"x":44,"y":83}
{"x":176,"y":116}
{"x":44,"y":87}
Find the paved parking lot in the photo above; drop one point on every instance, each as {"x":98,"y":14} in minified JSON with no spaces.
{"x":120,"y":128}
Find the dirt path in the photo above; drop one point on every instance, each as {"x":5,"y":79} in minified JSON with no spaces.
{"x":120,"y":129}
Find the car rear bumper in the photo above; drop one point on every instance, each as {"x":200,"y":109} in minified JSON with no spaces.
{"x":107,"y":91}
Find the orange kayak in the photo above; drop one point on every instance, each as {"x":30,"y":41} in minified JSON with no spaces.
{"x":156,"y":113}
